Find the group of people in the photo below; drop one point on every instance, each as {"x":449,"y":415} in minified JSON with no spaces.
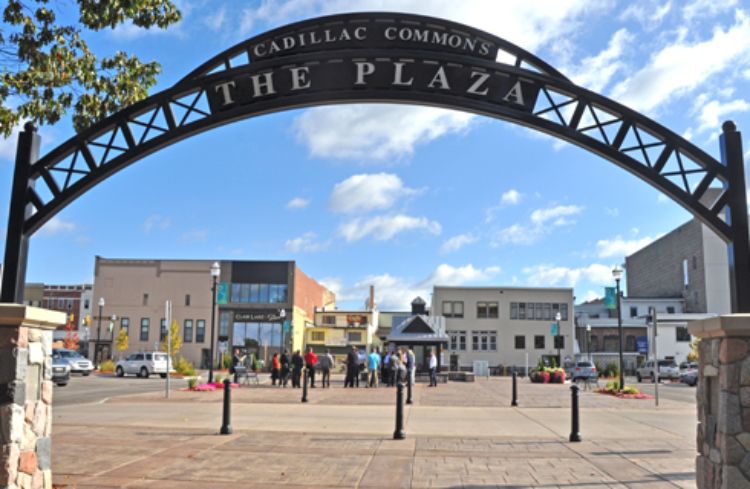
{"x":388,"y":368}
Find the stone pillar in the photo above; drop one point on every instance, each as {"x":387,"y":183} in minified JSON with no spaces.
{"x":723,"y":395}
{"x":26,"y":395}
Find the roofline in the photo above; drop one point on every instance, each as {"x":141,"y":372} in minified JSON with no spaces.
{"x":501,"y":288}
{"x":221,"y":260}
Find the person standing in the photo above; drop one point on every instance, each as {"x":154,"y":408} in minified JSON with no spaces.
{"x":361,"y":357}
{"x":373,"y":365}
{"x":284,"y":360}
{"x":275,"y":369}
{"x":433,"y":369}
{"x":311,"y":360}
{"x":351,"y":367}
{"x":411,"y":364}
{"x":237,"y":360}
{"x":386,"y":369}
{"x":297,"y":363}
{"x":325,"y":364}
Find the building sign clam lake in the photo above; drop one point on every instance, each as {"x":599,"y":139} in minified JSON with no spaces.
{"x":378,"y":59}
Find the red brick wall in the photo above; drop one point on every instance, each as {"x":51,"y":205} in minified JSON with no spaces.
{"x":309,"y":294}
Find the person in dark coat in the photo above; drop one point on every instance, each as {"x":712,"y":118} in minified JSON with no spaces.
{"x":284,"y":368}
{"x":297,"y":363}
{"x":352,"y":367}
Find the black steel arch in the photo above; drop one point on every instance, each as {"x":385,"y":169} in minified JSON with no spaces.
{"x":556,"y":106}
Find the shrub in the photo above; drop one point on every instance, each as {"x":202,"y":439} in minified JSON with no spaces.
{"x":184,"y":367}
{"x":630,"y":390}
{"x":107,"y":366}
{"x":226,"y":360}
{"x":612,"y":370}
{"x":218,"y":378}
{"x":557,"y":376}
{"x":192,"y":382}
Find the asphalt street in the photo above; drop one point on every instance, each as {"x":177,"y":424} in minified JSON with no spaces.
{"x":97,"y":388}
{"x":675,"y":391}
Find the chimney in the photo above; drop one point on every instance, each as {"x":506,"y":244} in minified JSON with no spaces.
{"x":372,"y":298}
{"x":418,"y":306}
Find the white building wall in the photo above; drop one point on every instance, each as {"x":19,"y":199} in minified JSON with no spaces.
{"x":716,"y":263}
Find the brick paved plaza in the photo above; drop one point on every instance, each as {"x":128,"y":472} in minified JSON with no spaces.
{"x":458,"y":435}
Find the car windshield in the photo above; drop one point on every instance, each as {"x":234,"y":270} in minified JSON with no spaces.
{"x":667,"y":363}
{"x":584,"y":364}
{"x":160,"y":357}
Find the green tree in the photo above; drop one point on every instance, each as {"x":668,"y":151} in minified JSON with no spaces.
{"x":48,"y":68}
{"x":121,"y":342}
{"x":175,"y":341}
{"x":694,"y":355}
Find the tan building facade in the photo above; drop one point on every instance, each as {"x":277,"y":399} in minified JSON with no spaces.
{"x":504,"y":325}
{"x":251,"y":296}
{"x":338,"y":331}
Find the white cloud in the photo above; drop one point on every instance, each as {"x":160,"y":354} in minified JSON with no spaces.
{"x":541,"y":216}
{"x":681,"y":67}
{"x":595,"y":72}
{"x":645,"y":13}
{"x":542,"y":222}
{"x":516,"y":234}
{"x":706,"y":8}
{"x":449,"y":275}
{"x":713,"y":111}
{"x":56,"y":226}
{"x":457,"y":242}
{"x":305,"y":244}
{"x":552,"y":276}
{"x":216,"y":21}
{"x":361,"y":193}
{"x":194,"y":236}
{"x":591,"y":296}
{"x":612,"y":211}
{"x":511,"y":197}
{"x":619,"y":248}
{"x":383,"y":228}
{"x":298,"y":203}
{"x":156,"y":222}
{"x":374,"y":131}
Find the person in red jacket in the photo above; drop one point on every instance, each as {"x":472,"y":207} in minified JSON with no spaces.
{"x":311,"y":360}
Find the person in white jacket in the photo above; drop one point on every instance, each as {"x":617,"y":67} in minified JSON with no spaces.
{"x":433,"y":369}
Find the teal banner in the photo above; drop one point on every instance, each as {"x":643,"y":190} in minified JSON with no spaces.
{"x":610,"y":298}
{"x":222,"y":293}
{"x":287,"y":325}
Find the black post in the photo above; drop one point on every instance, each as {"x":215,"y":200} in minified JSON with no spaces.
{"x":226,"y":426}
{"x":408,"y":388}
{"x":16,"y":241}
{"x":738,"y":250}
{"x":399,"y":433}
{"x":97,"y":348}
{"x":304,"y":384}
{"x":213,"y":337}
{"x":575,"y":431}
{"x":514,"y":402}
{"x":619,"y":333}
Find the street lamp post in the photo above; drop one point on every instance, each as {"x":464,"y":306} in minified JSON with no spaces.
{"x":558,"y":317}
{"x":215,"y":271}
{"x":617,"y":273}
{"x":588,"y":340}
{"x":282,"y":315}
{"x":97,"y":347}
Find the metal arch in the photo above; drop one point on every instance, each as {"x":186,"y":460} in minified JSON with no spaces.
{"x":233,"y":57}
{"x":602,"y":126}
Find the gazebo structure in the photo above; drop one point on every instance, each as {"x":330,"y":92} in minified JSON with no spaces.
{"x":422,"y":333}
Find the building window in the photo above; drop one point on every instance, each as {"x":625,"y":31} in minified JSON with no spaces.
{"x":564,"y":311}
{"x":670,"y":309}
{"x":224,"y":323}
{"x":187,"y":299}
{"x":458,"y":340}
{"x":630,"y":343}
{"x":125,"y":324}
{"x":685,"y":276}
{"x":539,"y":342}
{"x":594,"y":343}
{"x":559,"y":341}
{"x":487,"y":310}
{"x":547,"y":312}
{"x":484,"y":340}
{"x":611,"y":343}
{"x":187,"y":331}
{"x":319,"y":336}
{"x":61,"y":303}
{"x":538,"y":307}
{"x":144,"y":328}
{"x":200,"y":331}
{"x":86,"y":304}
{"x":521,"y":310}
{"x":162,"y":329}
{"x":633,"y":311}
{"x":682,"y":333}
{"x":145,"y":299}
{"x":514,"y":310}
{"x":259,"y":293}
{"x":354,"y":336}
{"x":329,"y":320}
{"x":520,"y":342}
{"x":453,"y":309}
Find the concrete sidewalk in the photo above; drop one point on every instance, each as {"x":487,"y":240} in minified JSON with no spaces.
{"x":147,"y":442}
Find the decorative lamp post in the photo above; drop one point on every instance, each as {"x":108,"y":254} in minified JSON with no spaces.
{"x":588,"y":341}
{"x":215,"y":272}
{"x":97,"y":348}
{"x":282,"y":316}
{"x":558,"y":317}
{"x":617,"y":274}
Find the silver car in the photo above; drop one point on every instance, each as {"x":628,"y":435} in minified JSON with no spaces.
{"x":584,"y":370}
{"x":144,"y":364}
{"x":78,"y":363}
{"x":667,"y":370}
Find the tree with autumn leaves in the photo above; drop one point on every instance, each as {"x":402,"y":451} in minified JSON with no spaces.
{"x":71,"y":341}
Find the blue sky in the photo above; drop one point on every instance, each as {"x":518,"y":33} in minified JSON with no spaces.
{"x":405,"y":197}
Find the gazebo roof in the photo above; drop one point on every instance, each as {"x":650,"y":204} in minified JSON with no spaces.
{"x":419,"y":328}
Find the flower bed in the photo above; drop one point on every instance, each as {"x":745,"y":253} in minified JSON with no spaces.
{"x":211,"y":387}
{"x":548,"y":376}
{"x":629,"y":392}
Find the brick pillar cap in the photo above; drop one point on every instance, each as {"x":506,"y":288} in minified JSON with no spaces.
{"x":731,"y":325}
{"x":14,"y":315}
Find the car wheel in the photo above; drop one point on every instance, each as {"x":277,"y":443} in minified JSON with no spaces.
{"x":163,"y":376}
{"x":119,"y":372}
{"x":86,"y":374}
{"x":62,"y":384}
{"x":638,"y":378}
{"x":144,"y":372}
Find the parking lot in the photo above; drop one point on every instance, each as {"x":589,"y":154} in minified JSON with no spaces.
{"x":99,"y":388}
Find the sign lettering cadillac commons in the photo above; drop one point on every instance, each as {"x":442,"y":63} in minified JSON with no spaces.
{"x":380,"y":56}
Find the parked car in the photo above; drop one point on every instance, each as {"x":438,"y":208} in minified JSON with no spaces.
{"x":667,"y":370}
{"x":60,"y":370}
{"x":144,"y":364}
{"x":584,"y":370}
{"x":78,"y":363}
{"x":689,"y":373}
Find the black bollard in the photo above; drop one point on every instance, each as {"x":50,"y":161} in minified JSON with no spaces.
{"x":408,"y":388}
{"x":304,"y":385}
{"x":575,"y":433}
{"x":226,"y":426}
{"x":399,"y":434}
{"x":514,"y":402}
